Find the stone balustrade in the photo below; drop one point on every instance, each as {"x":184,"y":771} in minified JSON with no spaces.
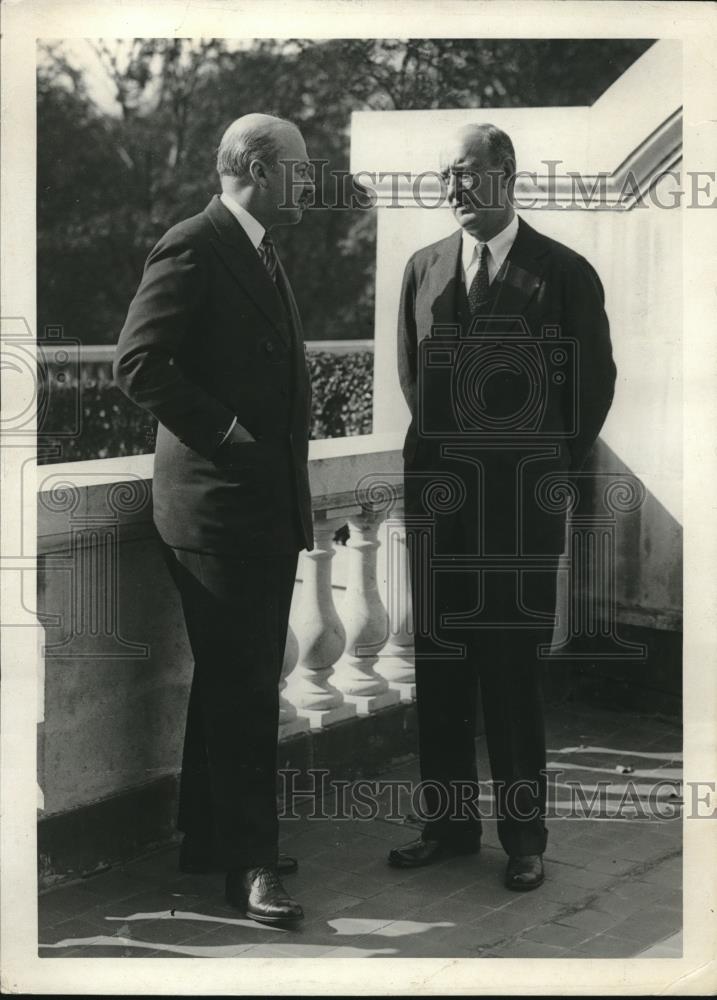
{"x":360,"y":659}
{"x":348,"y":651}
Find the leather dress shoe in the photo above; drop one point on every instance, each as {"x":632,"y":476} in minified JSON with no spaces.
{"x":524,"y":872}
{"x":259,"y":893}
{"x":195,"y":858}
{"x":422,"y":852}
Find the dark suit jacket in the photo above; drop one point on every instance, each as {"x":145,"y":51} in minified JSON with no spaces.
{"x":543,"y":291}
{"x":209,"y":337}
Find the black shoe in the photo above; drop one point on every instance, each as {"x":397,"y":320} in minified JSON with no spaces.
{"x":261,"y":896}
{"x":424,"y":852}
{"x":195,"y":858}
{"x":524,"y":872}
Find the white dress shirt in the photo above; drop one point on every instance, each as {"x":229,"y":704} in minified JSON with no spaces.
{"x":255,"y":231}
{"x":251,"y":226}
{"x":498,"y":249}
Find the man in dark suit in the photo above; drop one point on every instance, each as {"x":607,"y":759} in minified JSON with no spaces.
{"x":213,"y":347}
{"x":505,"y":361}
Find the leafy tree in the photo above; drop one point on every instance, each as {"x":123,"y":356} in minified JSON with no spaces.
{"x":109,"y":184}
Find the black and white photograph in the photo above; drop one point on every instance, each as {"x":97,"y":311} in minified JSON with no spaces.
{"x":354,"y":404}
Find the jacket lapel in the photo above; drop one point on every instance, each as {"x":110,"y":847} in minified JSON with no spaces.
{"x":282,"y":284}
{"x":443,"y":280}
{"x":241,"y":259}
{"x":520,"y":277}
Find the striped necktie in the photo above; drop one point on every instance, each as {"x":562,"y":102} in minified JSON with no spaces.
{"x":268,"y":256}
{"x":480,"y":286}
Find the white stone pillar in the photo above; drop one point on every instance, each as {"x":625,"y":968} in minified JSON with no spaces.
{"x":320,"y":635}
{"x":397,"y":660}
{"x":289,"y":722}
{"x":365,"y":621}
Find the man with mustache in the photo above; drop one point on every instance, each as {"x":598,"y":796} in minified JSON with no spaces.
{"x":213,"y":348}
{"x":505,"y":361}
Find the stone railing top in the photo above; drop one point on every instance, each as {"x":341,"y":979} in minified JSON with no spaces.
{"x":345,"y":473}
{"x":326,"y":460}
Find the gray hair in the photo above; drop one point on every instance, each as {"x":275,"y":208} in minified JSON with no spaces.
{"x":251,"y":137}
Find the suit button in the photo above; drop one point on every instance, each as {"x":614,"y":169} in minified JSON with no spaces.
{"x":283,"y":393}
{"x":269,"y":347}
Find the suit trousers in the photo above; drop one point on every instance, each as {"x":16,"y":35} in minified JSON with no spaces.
{"x":512,"y":613}
{"x":236,"y":612}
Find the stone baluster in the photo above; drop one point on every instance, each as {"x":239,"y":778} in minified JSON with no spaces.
{"x":320,"y":635}
{"x":397,"y":660}
{"x":365,"y":620}
{"x":289,"y":722}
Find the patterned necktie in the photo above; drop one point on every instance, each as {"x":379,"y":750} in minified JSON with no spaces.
{"x":479,"y":290}
{"x":268,"y":256}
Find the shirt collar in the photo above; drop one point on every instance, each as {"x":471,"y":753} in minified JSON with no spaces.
{"x":251,"y":226}
{"x":498,"y":245}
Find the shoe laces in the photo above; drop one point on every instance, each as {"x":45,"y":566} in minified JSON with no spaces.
{"x":268,"y":876}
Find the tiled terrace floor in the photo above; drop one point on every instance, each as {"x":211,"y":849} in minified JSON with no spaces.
{"x":613,"y":886}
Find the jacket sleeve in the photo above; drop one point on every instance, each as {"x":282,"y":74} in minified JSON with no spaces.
{"x":162,"y":319}
{"x":586,"y":324}
{"x":407,"y":338}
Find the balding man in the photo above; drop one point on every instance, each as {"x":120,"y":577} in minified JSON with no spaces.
{"x":506,"y":364}
{"x":213,"y":347}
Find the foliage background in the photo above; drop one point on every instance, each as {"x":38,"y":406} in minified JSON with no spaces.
{"x":114,"y":175}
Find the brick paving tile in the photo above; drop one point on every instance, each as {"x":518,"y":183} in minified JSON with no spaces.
{"x":660,"y":875}
{"x":571,"y":875}
{"x":66,"y":902}
{"x":590,"y":920}
{"x":333,"y":934}
{"x":607,"y":946}
{"x":237,"y":930}
{"x":480,"y":935}
{"x":671,"y":947}
{"x":557,"y":934}
{"x":384,"y":830}
{"x":67,"y":930}
{"x":323,"y":901}
{"x":649,"y":926}
{"x":388,"y":875}
{"x":203,"y":947}
{"x":613,"y":888}
{"x":160,"y":863}
{"x":294,"y":950}
{"x":672,"y":897}
{"x":448,"y":880}
{"x":358,"y":885}
{"x":509,"y":922}
{"x":611,"y":865}
{"x":148,"y":901}
{"x":115,"y":883}
{"x":112,"y":951}
{"x":487,"y":893}
{"x":463,"y":909}
{"x":165,"y":931}
{"x":530,"y":949}
{"x":61,"y":953}
{"x":400,"y":948}
{"x":347,"y":858}
{"x":534,"y":907}
{"x":392,"y":904}
{"x":152,"y":901}
{"x":311,"y":874}
{"x":562,"y":892}
{"x":166,"y":954}
{"x":627,"y":898}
